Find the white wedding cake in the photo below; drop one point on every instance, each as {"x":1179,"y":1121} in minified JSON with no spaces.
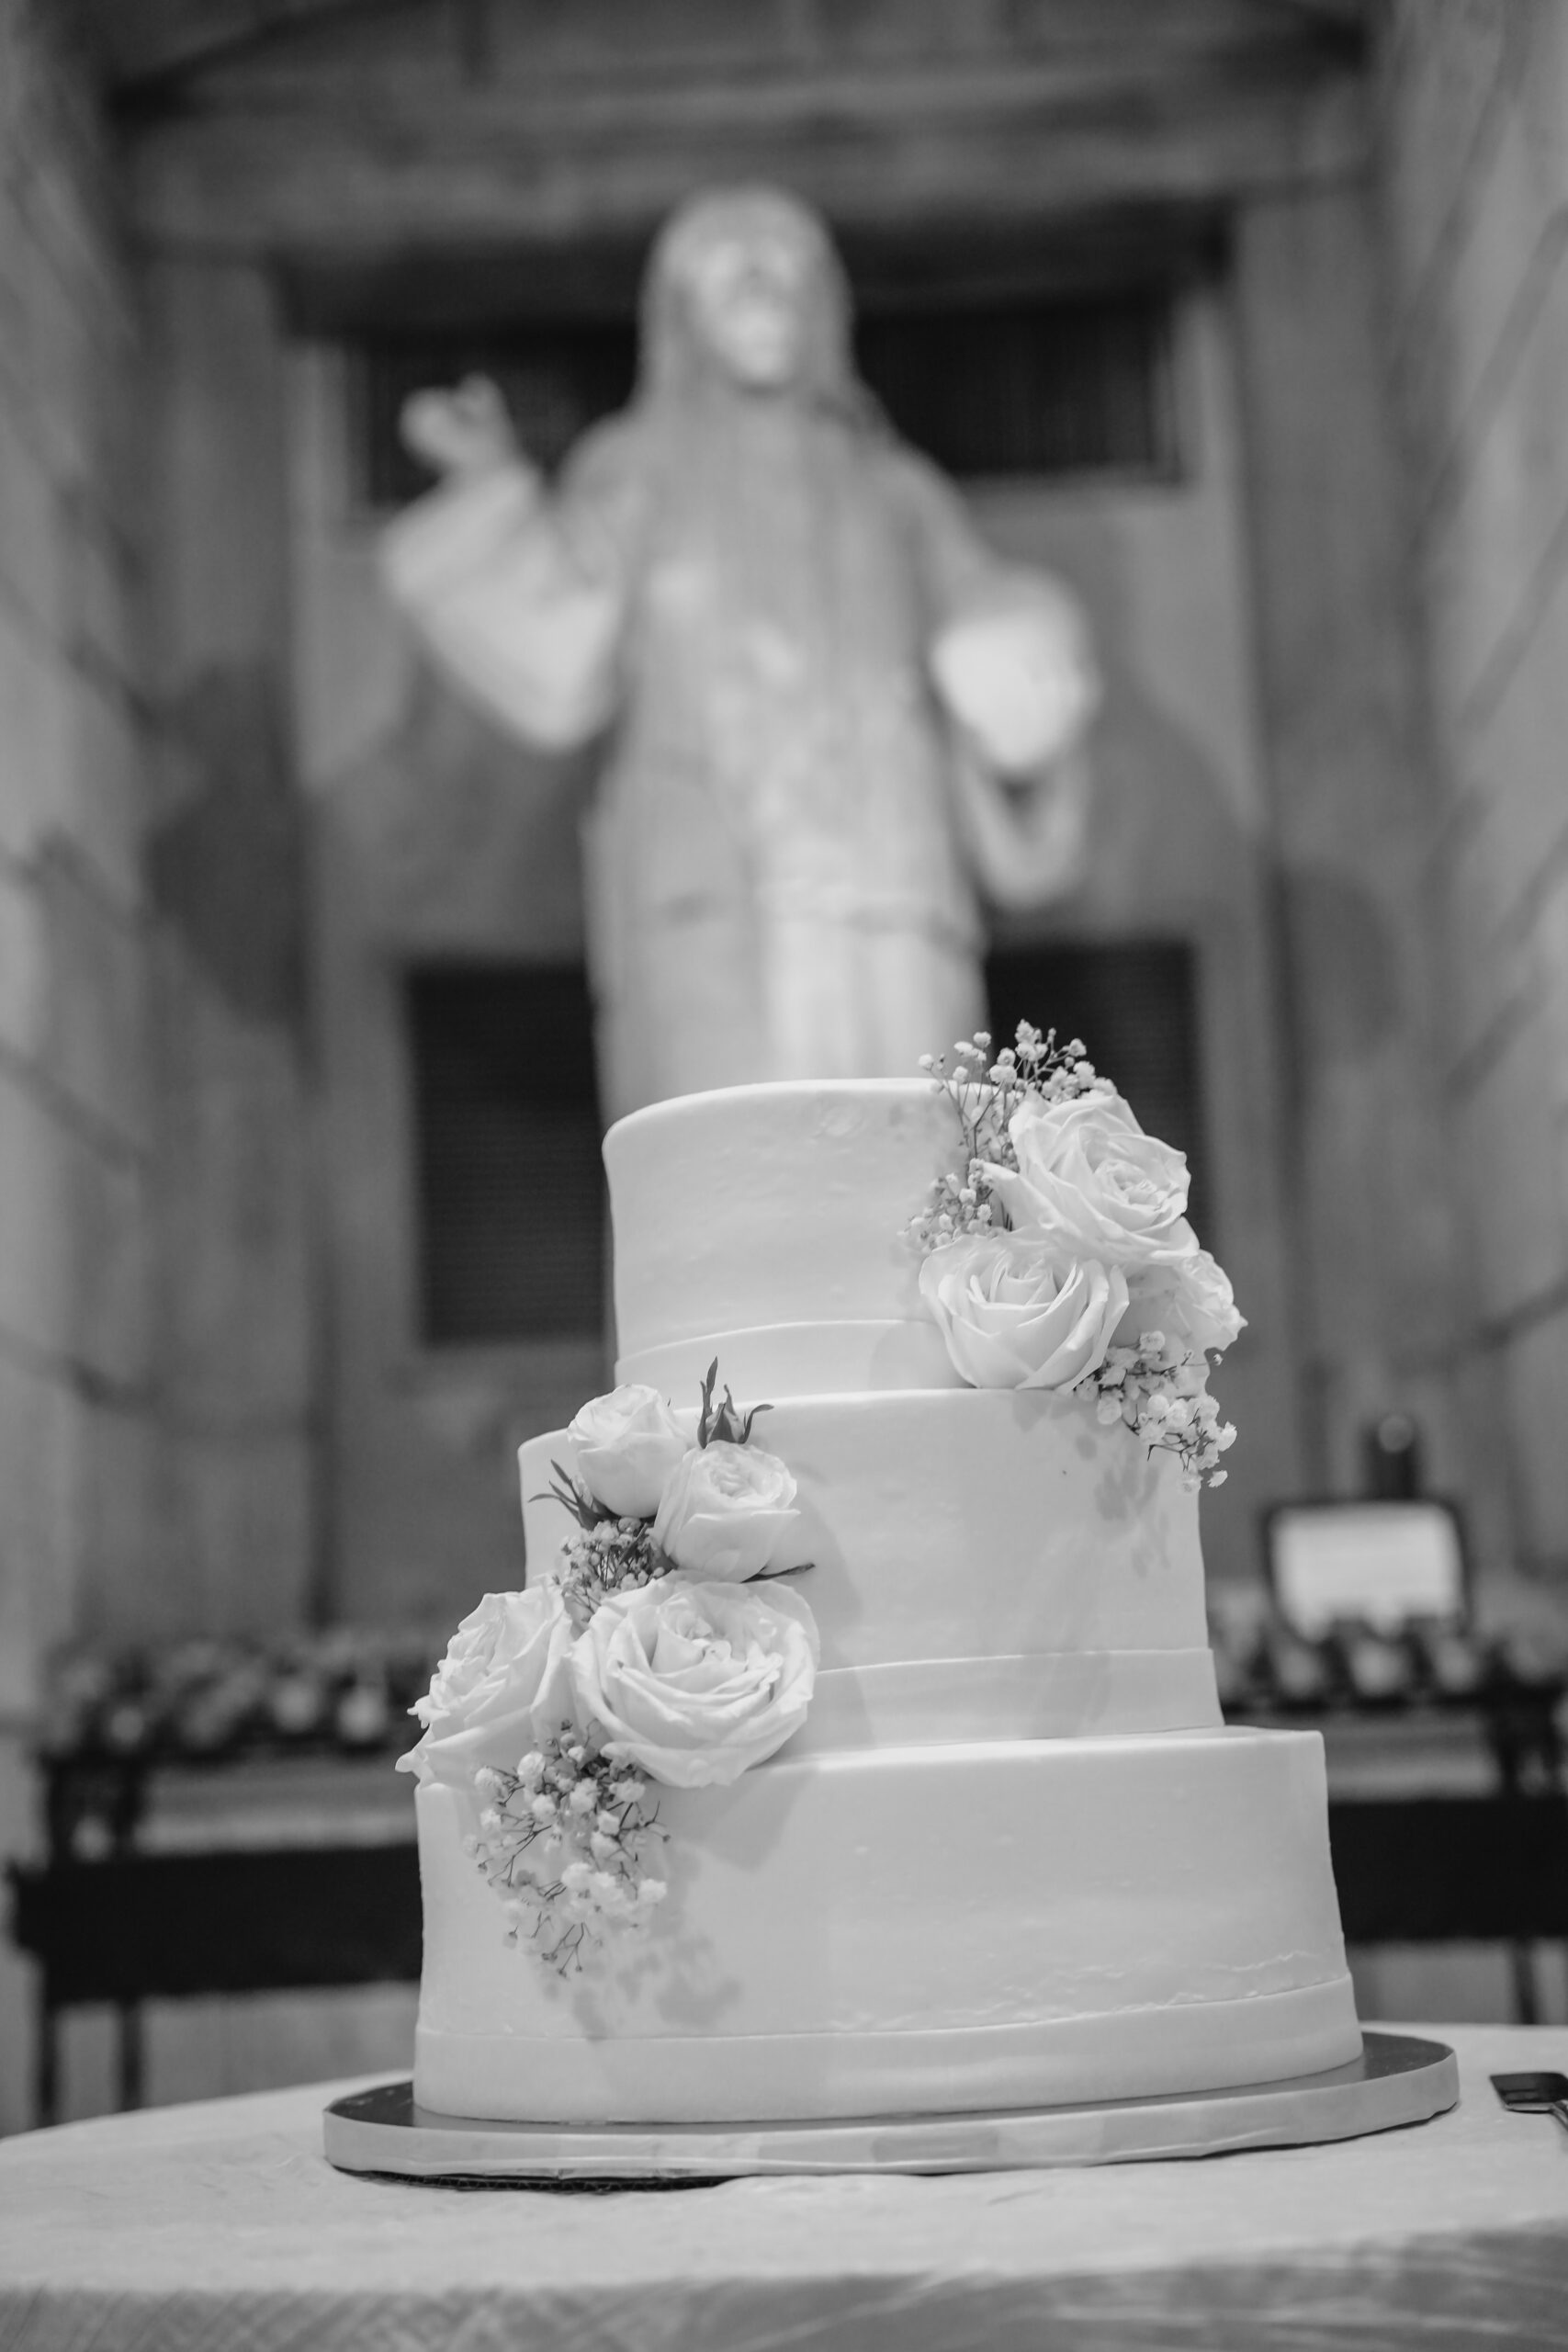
{"x":864,"y":1758}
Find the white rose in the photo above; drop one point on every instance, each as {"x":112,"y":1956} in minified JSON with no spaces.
{"x":694,"y":1683}
{"x":1091,"y":1184}
{"x":724,"y":1510}
{"x":1191,"y":1302}
{"x":626,"y":1446}
{"x":503,"y":1682}
{"x":1011,"y":1319}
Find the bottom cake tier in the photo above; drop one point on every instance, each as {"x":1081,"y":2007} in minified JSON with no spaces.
{"x":917,"y":1931}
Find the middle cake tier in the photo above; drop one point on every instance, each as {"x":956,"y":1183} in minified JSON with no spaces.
{"x":983,"y":1563}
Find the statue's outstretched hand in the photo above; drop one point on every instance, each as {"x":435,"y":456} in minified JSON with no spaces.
{"x":1018,"y":673}
{"x":462,"y":433}
{"x":1018,"y":677}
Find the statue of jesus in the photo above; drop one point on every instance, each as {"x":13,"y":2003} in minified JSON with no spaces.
{"x":833,"y":716}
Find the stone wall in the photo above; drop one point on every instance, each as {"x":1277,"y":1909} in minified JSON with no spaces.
{"x":1474,"y":152}
{"x":74,"y":1133}
{"x":76,"y":1455}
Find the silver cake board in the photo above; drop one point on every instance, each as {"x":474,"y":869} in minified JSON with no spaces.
{"x":1397,"y":2080}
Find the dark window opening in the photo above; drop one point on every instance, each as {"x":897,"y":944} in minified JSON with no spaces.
{"x":1077,"y":384}
{"x":1134,"y":1004}
{"x":1059,"y":388}
{"x":557,"y":381}
{"x":510,"y":1184}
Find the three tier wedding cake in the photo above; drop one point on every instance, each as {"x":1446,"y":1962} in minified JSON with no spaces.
{"x":854,"y":1749}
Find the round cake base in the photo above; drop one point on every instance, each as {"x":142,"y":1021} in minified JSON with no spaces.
{"x":1396,"y":2080}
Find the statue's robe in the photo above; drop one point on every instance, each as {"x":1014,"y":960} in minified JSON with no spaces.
{"x":745,"y":598}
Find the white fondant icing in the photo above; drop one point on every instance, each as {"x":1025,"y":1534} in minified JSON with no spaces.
{"x":799,"y":1360}
{"x":963,"y":1523}
{"x":1056,"y":2062}
{"x":773,"y":1205}
{"x":1061,"y":1694}
{"x":1005,"y":1924}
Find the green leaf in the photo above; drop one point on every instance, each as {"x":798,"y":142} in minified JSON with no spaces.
{"x":704,"y":1424}
{"x":573,"y":1497}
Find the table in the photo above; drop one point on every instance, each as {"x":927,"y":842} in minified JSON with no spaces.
{"x":221,"y":2227}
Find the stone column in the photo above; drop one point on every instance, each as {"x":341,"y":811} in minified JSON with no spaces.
{"x":1351,"y":817}
{"x":224,"y":868}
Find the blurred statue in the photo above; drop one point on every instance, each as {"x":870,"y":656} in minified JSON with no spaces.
{"x":832,"y":711}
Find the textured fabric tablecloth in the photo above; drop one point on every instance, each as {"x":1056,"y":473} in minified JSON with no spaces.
{"x":221,"y":2226}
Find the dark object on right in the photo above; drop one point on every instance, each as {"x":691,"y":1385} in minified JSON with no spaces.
{"x":1543,"y":2093}
{"x":1391,"y":1459}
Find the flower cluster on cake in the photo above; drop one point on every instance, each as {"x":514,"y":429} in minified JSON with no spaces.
{"x":1060,"y":1256}
{"x":646,"y":1655}
{"x":659,"y":1648}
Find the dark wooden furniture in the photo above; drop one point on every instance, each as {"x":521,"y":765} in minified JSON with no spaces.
{"x":1455,"y":1870}
{"x":138,"y":1928}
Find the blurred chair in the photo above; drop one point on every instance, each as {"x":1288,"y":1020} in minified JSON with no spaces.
{"x":221,"y":1817}
{"x":139,"y":1927}
{"x":1455,"y":1870}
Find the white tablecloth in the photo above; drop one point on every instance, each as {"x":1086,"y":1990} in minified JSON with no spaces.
{"x":221,"y":2226}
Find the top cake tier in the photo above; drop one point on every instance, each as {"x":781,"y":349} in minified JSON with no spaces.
{"x":761,"y":1225}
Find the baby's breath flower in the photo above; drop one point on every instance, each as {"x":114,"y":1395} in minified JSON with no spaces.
{"x":1160,"y":1393}
{"x":609,"y":1557}
{"x":986,"y":1089}
{"x":595,"y":1829}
